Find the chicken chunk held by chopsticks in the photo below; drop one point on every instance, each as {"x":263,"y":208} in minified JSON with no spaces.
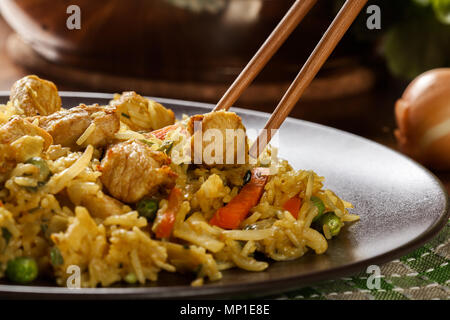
{"x":224,"y":125}
{"x":131,"y":171}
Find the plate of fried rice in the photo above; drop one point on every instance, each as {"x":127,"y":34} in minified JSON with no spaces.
{"x":124,"y":196}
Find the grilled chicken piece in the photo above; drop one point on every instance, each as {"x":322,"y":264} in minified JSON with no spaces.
{"x":18,"y":127}
{"x":99,"y":205}
{"x":103,"y":207}
{"x":18,"y":139}
{"x":35,"y":96}
{"x":142,"y":114}
{"x":234,"y":148}
{"x":131,"y":170}
{"x":67,"y":126}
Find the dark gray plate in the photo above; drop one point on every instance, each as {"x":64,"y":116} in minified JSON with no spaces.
{"x":401,"y":205}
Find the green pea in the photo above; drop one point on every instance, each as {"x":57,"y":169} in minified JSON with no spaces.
{"x":333,"y":222}
{"x":22,"y":270}
{"x":320,"y":206}
{"x":247,"y":177}
{"x":41,"y":164}
{"x":147,"y":208}
{"x":131,"y":278}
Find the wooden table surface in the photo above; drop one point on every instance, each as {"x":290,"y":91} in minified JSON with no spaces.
{"x":369,"y":115}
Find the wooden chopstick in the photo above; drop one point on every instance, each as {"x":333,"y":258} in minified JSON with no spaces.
{"x":323,"y":50}
{"x":290,"y":21}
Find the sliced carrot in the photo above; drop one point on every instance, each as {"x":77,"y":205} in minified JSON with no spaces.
{"x":161,"y":133}
{"x":166,"y":222}
{"x":231,"y":215}
{"x":293,"y":206}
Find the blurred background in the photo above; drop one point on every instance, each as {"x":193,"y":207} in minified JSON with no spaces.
{"x":194,"y":49}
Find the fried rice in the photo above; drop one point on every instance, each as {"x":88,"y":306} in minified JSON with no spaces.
{"x":72,"y":219}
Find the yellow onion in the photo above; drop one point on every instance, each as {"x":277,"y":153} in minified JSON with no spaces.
{"x":423,"y":119}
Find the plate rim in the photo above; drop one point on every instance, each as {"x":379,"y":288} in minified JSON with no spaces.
{"x":252,"y":289}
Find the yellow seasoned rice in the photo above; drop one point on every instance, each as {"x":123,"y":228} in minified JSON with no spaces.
{"x":111,"y":248}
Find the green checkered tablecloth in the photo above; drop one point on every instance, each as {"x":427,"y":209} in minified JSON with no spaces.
{"x":422,"y":274}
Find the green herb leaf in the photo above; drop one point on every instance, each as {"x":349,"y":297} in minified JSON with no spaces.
{"x":56,"y":257}
{"x":34,"y":210}
{"x":44,"y":228}
{"x":40,"y":184}
{"x":247,"y":177}
{"x":166,"y":146}
{"x":125,"y":115}
{"x":6,"y":235}
{"x":198,"y":269}
{"x":149,"y":143}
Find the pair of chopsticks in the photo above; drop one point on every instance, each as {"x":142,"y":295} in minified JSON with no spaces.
{"x":323,"y":50}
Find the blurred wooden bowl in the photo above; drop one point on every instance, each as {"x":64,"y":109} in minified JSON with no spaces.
{"x":162,"y":40}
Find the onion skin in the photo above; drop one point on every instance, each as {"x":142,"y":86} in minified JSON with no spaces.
{"x":423,"y":119}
